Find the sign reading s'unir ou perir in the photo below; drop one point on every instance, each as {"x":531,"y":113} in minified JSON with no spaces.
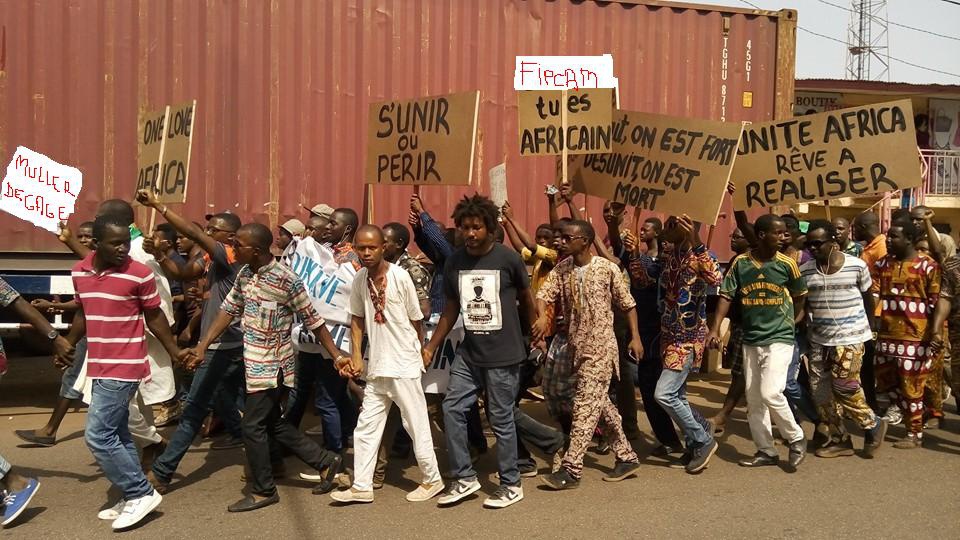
{"x":663,"y":164}
{"x":423,"y":141}
{"x":843,"y":153}
{"x":554,"y":122}
{"x":165,"y":140}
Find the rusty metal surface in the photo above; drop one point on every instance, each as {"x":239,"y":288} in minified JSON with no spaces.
{"x":283,"y":86}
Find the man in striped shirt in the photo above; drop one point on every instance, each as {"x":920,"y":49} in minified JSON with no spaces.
{"x":839,"y":311}
{"x":116,"y":296}
{"x":265,"y":297}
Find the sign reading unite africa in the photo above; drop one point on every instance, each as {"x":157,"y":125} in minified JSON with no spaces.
{"x":843,"y":153}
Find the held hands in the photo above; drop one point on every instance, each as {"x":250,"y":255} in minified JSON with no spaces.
{"x":427,"y":357}
{"x":539,"y":329}
{"x":190,"y":359}
{"x":936,"y":341}
{"x":713,"y":341}
{"x":46,"y":306}
{"x":63,"y":352}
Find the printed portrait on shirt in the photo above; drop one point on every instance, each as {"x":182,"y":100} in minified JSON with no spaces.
{"x":480,"y":300}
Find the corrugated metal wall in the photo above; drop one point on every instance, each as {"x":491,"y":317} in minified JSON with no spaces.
{"x":283,"y":87}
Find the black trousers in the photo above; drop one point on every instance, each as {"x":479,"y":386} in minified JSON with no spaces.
{"x":868,"y":380}
{"x":263,"y":428}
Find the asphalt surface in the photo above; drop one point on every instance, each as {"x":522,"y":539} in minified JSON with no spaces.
{"x":899,"y":494}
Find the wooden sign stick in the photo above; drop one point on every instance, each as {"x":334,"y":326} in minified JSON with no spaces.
{"x":826,"y":209}
{"x":563,"y":150}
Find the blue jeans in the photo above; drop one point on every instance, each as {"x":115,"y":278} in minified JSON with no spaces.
{"x":502,"y":385}
{"x":4,"y":464}
{"x":70,"y":374}
{"x":305,"y":382}
{"x":338,"y":415}
{"x":798,"y":394}
{"x":109,"y":439}
{"x":220,"y":374}
{"x":671,"y":394}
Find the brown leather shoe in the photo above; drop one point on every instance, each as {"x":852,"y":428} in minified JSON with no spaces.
{"x":159,"y":485}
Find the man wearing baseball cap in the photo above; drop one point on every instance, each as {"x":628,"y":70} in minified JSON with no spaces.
{"x":288,"y":235}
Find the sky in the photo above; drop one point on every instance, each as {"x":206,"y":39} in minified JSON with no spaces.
{"x":818,"y":57}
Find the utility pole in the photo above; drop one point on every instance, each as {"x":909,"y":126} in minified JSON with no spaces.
{"x":868,"y":51}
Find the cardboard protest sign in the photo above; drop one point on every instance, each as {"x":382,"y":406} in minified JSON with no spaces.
{"x":831,"y":155}
{"x":662,"y":164}
{"x":576,"y":120}
{"x":498,"y":184}
{"x":428,"y":140}
{"x":327,"y":282}
{"x":171,"y":186}
{"x":40,"y":190}
{"x":151,"y":136}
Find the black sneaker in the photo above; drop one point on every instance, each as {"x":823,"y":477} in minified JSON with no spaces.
{"x":759,"y":460}
{"x":682,"y":461}
{"x":835,"y":449}
{"x":528,"y":470}
{"x":622,"y":470}
{"x":874,"y":438}
{"x":701,"y":456}
{"x":665,"y":450}
{"x":329,"y":473}
{"x":561,"y":480}
{"x":798,"y":451}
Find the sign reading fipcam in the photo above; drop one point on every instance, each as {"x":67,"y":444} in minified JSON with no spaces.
{"x":427,"y":140}
{"x":577,"y":121}
{"x":831,"y":155}
{"x":564,"y":72}
{"x":663,"y":164}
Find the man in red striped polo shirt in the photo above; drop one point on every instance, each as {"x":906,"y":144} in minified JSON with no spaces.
{"x":116,"y":297}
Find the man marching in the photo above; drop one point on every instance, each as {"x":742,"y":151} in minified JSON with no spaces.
{"x":385,"y":305}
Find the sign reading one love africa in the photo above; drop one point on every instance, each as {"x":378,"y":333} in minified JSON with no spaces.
{"x":428,"y":140}
{"x":164,"y":141}
{"x":662,"y":164}
{"x":40,"y":190}
{"x":831,"y":155}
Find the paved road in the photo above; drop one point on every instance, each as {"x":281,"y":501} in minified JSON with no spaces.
{"x":900,"y":494}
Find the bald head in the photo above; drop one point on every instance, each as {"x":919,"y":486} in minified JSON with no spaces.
{"x":866,"y":227}
{"x":259,"y":236}
{"x":369,"y":232}
{"x":118,"y":210}
{"x":369,"y":245}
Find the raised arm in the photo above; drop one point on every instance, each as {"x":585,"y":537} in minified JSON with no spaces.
{"x":74,"y":245}
{"x":181,"y":224}
{"x":522,"y":235}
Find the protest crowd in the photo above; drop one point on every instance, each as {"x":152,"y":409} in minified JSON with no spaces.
{"x":833,"y":324}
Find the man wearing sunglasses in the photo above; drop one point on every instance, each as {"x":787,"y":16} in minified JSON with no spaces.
{"x":219,"y":378}
{"x":839,"y":310}
{"x":587,"y":288}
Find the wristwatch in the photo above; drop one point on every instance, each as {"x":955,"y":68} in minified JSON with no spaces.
{"x":53,"y":334}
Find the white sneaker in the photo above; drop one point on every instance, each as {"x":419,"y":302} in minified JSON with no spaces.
{"x":425,"y":492}
{"x":504,"y":496}
{"x":893,"y":416}
{"x":458,"y":490}
{"x":352,"y":496}
{"x":137,"y":509}
{"x":110,"y":514}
